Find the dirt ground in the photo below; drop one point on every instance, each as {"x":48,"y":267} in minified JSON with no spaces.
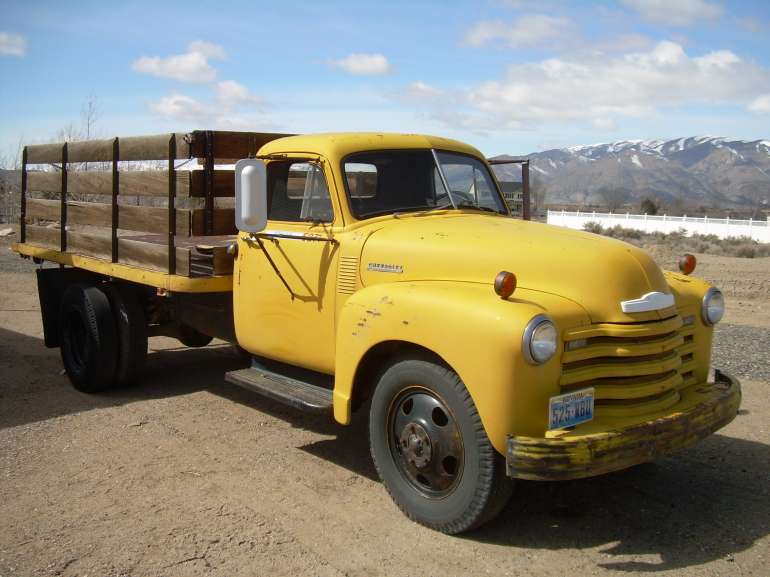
{"x":184,"y":475}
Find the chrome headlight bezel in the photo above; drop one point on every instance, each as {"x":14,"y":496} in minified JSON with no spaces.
{"x":532,"y":354}
{"x":708,"y":298}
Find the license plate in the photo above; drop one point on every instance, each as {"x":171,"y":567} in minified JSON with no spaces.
{"x":571,"y":409}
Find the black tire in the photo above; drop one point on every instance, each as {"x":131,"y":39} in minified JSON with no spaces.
{"x":190,"y":337}
{"x":473,"y":488}
{"x":88,"y":338}
{"x":131,"y":325}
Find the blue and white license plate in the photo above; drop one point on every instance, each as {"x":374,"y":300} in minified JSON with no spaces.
{"x":571,"y":409}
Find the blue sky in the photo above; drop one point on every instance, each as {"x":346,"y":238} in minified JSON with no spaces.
{"x":509,"y":76}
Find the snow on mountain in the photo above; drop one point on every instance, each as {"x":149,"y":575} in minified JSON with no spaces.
{"x":707,"y":170}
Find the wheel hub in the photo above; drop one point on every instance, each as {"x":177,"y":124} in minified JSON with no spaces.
{"x":425,"y":441}
{"x":415,"y":445}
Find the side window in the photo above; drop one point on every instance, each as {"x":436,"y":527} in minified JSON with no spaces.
{"x":297,"y":192}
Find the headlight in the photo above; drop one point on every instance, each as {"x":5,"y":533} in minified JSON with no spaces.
{"x":540,"y":340}
{"x":713,"y":306}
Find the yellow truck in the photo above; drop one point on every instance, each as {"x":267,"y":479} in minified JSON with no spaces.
{"x":380,"y":273}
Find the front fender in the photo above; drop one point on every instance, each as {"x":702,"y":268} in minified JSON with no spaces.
{"x":472,"y":329}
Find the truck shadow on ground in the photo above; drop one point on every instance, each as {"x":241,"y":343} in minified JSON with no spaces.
{"x":703,"y":505}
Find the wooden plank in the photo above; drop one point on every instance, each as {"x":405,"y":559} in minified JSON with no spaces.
{"x":152,"y":256}
{"x":132,"y":182}
{"x":44,"y":153}
{"x":152,"y":147}
{"x":90,"y":151}
{"x":224,"y":183}
{"x":132,"y":252}
{"x":223,"y":261}
{"x":38,"y":181}
{"x":223,"y":224}
{"x":228,"y":144}
{"x":43,"y":236}
{"x":39,"y":209}
{"x":135,"y":218}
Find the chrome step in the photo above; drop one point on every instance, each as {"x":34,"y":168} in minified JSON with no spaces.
{"x":296,"y":393}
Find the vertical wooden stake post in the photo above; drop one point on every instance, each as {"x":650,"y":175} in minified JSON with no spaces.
{"x":23,"y":208}
{"x":171,"y":204}
{"x":115,"y":192}
{"x":63,"y":209}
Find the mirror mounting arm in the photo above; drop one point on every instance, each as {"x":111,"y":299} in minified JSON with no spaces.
{"x":258,"y":240}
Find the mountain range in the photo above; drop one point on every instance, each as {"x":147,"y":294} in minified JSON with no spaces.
{"x":695,"y":171}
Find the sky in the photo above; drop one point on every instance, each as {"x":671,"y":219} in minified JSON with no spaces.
{"x":508,"y":76}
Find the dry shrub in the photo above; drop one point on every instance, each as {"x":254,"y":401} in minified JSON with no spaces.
{"x":743,"y":247}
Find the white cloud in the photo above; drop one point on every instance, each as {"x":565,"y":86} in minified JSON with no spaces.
{"x":181,"y":107}
{"x":528,"y":30}
{"x":760,"y":105}
{"x":364,"y":64}
{"x":208,"y":49}
{"x":675,"y":12}
{"x":420,"y":91}
{"x":12,"y":44}
{"x":192,"y":66}
{"x":598,"y":90}
{"x":231,"y":106}
{"x":230,"y":93}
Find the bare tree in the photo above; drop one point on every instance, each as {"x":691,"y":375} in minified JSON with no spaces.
{"x":89,"y":115}
{"x":613,"y":196}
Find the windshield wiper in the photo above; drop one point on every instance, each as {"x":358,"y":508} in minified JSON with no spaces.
{"x":478,"y":207}
{"x":397,"y":211}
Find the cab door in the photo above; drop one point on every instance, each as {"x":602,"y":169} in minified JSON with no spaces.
{"x":285,"y":281}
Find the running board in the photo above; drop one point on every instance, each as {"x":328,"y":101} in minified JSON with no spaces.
{"x":298,"y":394}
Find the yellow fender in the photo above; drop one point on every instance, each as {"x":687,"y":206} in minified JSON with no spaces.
{"x":474,"y":331}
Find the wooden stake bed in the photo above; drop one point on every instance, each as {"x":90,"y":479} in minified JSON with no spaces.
{"x":99,"y":205}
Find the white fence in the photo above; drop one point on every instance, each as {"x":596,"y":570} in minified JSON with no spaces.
{"x":758,"y":230}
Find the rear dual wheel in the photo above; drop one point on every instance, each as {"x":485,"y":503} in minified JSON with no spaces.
{"x":102,"y":336}
{"x":431,"y":450}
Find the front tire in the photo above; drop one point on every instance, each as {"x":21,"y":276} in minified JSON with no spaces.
{"x":431,"y":450}
{"x":88,"y":338}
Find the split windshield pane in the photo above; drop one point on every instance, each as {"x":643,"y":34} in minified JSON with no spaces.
{"x":408,"y":180}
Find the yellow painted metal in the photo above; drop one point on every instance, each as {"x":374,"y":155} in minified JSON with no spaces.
{"x":613,"y":443}
{"x":294,"y":324}
{"x":143,"y":276}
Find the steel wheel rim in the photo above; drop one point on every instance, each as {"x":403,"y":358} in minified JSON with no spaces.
{"x":425,"y":442}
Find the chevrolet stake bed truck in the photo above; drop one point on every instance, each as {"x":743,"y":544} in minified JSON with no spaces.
{"x":380,"y":272}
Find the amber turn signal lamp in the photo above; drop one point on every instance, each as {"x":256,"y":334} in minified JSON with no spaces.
{"x":687,"y":263}
{"x":505,"y":284}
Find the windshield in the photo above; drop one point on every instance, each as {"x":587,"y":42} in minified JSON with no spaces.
{"x":392,"y":181}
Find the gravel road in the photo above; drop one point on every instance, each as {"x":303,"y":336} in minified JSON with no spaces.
{"x":184,"y":475}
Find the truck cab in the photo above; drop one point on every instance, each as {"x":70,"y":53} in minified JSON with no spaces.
{"x":383,"y":274}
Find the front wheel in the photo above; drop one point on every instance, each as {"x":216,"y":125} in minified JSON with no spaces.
{"x":431,"y":450}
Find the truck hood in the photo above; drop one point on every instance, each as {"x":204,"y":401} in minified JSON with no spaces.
{"x":594,"y":271}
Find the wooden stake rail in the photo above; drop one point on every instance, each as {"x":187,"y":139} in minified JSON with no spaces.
{"x":96,"y":228}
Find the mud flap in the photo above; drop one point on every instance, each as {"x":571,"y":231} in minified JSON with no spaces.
{"x":51,"y":284}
